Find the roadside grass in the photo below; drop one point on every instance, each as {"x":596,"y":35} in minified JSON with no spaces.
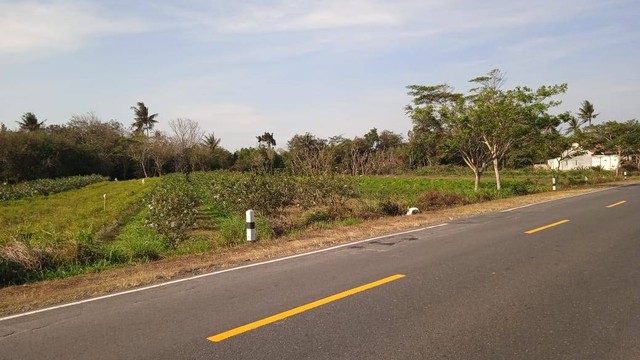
{"x":71,"y":233}
{"x":64,"y":234}
{"x":37,"y":295}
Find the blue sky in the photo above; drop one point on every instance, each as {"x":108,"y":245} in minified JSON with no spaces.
{"x":329,"y":67}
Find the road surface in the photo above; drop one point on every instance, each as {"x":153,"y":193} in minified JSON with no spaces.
{"x":558,"y":280}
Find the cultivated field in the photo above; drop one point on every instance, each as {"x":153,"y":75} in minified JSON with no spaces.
{"x":76,"y":231}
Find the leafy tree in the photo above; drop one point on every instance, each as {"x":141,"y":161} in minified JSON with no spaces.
{"x":388,"y":140}
{"x":620,"y":138}
{"x":308,"y":155}
{"x":427,"y":137}
{"x":450,"y":114}
{"x":104,"y":139}
{"x":248,"y":159}
{"x":495,"y":118}
{"x":505,"y":118}
{"x":29,"y":122}
{"x":586,"y":113}
{"x":142,"y":121}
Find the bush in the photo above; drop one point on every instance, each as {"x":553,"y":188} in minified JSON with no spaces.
{"x":264,"y":193}
{"x":434,"y":199}
{"x":323,"y":190}
{"x":391,"y":208}
{"x":271,"y":194}
{"x":173,"y":209}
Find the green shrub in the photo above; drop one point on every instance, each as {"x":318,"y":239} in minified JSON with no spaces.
{"x":172,"y":209}
{"x":266,"y":194}
{"x":323,"y":190}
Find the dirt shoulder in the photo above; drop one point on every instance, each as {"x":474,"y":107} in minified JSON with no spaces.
{"x":16,"y":299}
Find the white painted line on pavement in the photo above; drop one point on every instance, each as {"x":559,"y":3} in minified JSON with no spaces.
{"x":216,"y":273}
{"x":550,"y":200}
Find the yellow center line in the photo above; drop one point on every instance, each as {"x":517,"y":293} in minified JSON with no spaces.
{"x":546,"y":226}
{"x":616,"y":204}
{"x":300,"y":309}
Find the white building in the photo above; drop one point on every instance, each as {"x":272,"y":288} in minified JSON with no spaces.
{"x":582,"y":159}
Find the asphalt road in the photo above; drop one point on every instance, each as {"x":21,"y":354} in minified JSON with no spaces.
{"x":478,"y":288}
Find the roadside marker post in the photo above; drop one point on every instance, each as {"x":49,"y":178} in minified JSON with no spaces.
{"x":553,"y":182}
{"x":104,"y":202}
{"x":251,"y":225}
{"x":625,"y":175}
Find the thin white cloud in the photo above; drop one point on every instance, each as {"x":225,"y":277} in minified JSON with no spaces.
{"x":27,"y":27}
{"x":313,"y":15}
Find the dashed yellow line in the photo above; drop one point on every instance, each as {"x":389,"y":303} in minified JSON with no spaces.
{"x":616,"y":204}
{"x":300,"y":309}
{"x":546,"y":226}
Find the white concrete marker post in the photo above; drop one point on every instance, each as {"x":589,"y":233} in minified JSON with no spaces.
{"x":553,"y":182}
{"x":251,"y":225}
{"x":104,"y":202}
{"x":625,"y":175}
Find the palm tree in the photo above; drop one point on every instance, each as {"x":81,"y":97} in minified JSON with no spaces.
{"x":30,"y":122}
{"x":142,"y":120}
{"x":573,"y":126}
{"x":267,"y":139}
{"x":586,"y":113}
{"x":211,"y":141}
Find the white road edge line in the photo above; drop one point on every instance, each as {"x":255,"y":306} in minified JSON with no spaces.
{"x":550,"y":200}
{"x":215,"y":273}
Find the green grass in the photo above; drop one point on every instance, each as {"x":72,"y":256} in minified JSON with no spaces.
{"x":67,"y":215}
{"x":70,"y":233}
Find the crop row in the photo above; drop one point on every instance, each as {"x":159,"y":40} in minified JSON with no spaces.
{"x":46,"y":186}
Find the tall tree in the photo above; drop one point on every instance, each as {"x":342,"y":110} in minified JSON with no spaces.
{"x":266,"y":143}
{"x":211,"y":142}
{"x":266,"y":139}
{"x":459,"y":130}
{"x":29,"y":121}
{"x":187,"y":135}
{"x":495,"y":118}
{"x":586,"y":113}
{"x":142,"y":121}
{"x":505,"y":118}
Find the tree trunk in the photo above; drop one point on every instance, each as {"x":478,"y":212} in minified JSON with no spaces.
{"x":477,"y":174}
{"x":496,"y":169}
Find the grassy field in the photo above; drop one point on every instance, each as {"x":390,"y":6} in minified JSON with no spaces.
{"x":72,"y":214}
{"x":64,"y":230}
{"x":73,"y":232}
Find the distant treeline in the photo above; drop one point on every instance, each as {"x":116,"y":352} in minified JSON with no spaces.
{"x":488,"y":127}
